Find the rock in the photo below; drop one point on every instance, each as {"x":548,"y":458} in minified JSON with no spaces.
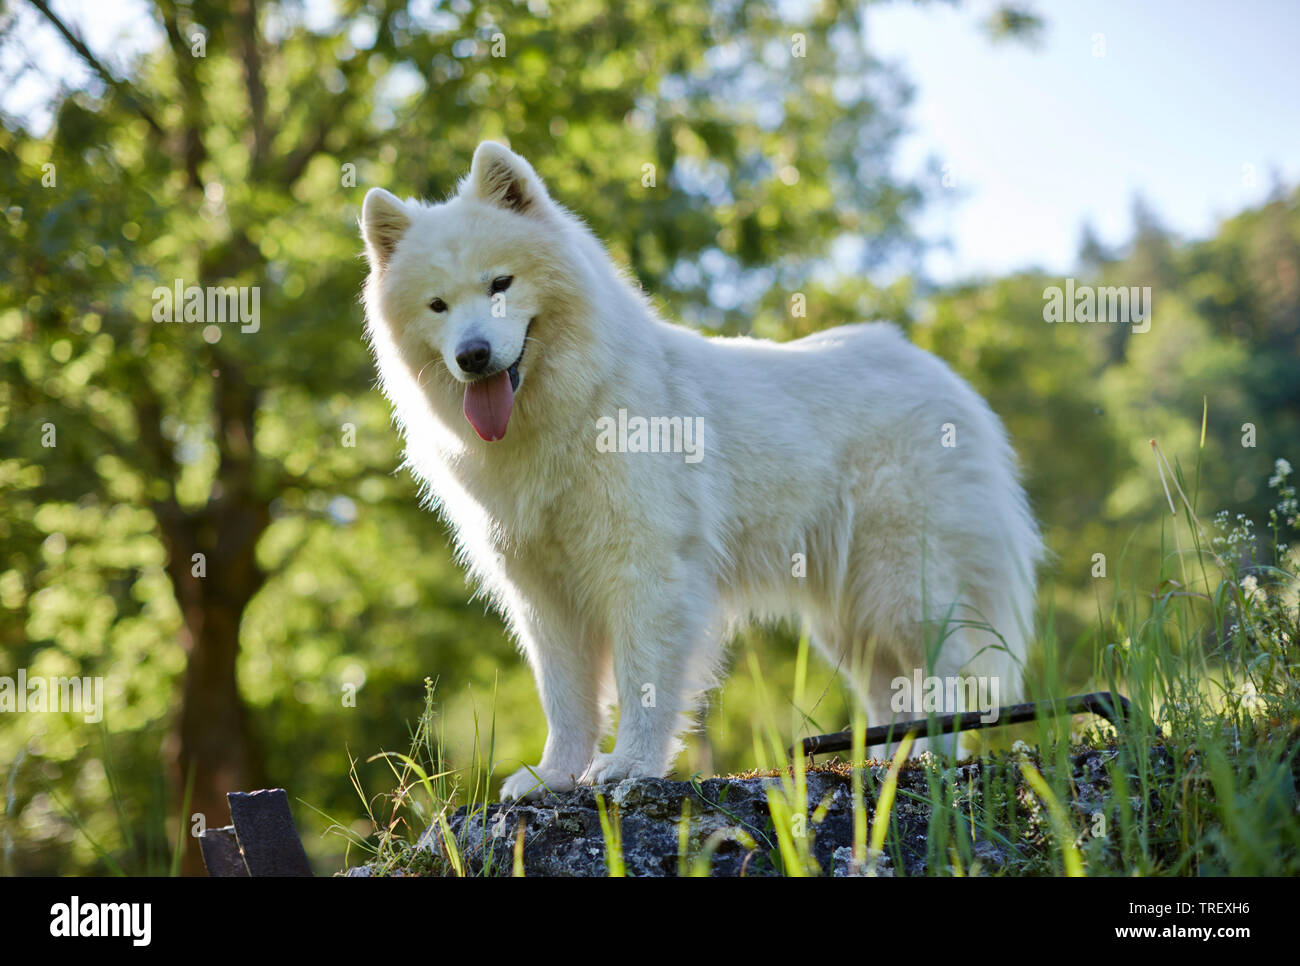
{"x":844,"y":867}
{"x":730,"y":826}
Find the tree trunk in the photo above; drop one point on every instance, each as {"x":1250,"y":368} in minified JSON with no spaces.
{"x":213,"y":567}
{"x":216,"y":749}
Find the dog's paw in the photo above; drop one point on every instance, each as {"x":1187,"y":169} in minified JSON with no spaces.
{"x":532,"y":783}
{"x":612,"y":767}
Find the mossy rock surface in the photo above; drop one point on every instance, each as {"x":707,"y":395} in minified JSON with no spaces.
{"x":730,"y":822}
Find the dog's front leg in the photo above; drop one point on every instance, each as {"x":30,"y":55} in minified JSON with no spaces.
{"x":570,"y":672}
{"x":656,"y":648}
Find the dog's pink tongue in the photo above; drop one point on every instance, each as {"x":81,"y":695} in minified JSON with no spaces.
{"x":487,"y":405}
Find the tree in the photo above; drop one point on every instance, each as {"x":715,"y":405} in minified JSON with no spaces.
{"x":1093,"y":254}
{"x":720,"y":153}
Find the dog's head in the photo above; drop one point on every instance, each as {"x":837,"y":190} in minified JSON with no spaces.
{"x":468,"y":288}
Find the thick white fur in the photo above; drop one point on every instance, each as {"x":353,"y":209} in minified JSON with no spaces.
{"x":616,"y":571}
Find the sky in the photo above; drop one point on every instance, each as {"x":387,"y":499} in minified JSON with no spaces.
{"x":1194,"y":104}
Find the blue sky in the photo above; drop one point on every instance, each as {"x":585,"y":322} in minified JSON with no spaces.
{"x":1189,"y":101}
{"x":1187,"y":94}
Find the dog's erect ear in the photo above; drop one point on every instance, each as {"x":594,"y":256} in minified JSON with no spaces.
{"x":384,"y":221}
{"x":502,"y":178}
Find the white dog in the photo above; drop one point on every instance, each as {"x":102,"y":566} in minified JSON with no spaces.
{"x":625,"y":490}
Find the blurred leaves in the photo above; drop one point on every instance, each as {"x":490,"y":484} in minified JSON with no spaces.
{"x":762,"y":164}
{"x":719,"y":152}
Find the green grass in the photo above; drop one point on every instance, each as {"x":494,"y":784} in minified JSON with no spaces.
{"x":1201,"y":782}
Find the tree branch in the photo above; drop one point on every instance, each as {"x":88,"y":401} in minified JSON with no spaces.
{"x":252,"y":57}
{"x":192,"y":148}
{"x":119,"y":86}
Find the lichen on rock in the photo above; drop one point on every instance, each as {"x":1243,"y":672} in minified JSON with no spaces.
{"x":730,"y":827}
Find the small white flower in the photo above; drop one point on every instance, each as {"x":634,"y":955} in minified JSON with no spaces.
{"x":1251,"y":702}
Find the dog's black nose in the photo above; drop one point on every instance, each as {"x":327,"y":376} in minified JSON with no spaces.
{"x":474,"y":355}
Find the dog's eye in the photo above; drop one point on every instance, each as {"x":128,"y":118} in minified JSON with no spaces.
{"x":438,"y":305}
{"x":501,"y":283}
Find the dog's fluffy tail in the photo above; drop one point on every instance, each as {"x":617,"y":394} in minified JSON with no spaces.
{"x":1008,"y":601}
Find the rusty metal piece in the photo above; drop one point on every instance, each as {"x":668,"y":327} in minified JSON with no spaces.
{"x":1115,"y":708}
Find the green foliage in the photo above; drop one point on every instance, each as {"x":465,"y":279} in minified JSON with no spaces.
{"x":268,"y":451}
{"x":271,"y":452}
{"x":1224,"y":340}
